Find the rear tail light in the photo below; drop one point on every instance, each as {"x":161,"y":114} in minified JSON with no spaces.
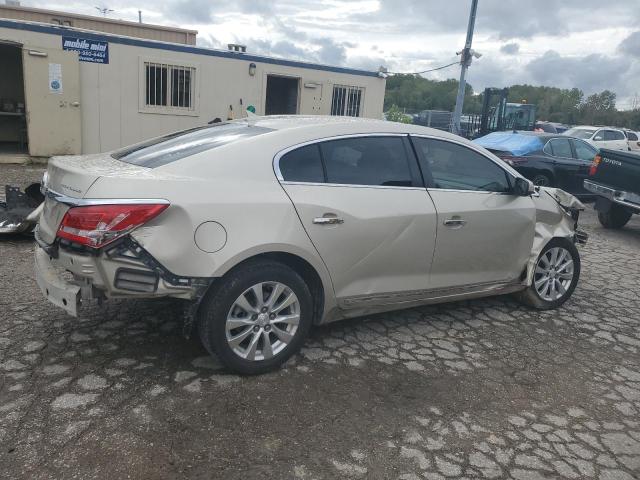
{"x":98,"y":225}
{"x":594,"y":165}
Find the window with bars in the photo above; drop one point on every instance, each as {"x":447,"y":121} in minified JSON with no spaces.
{"x":346,"y":100}
{"x":170,"y":86}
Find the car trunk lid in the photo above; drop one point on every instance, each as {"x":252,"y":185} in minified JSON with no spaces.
{"x":68,"y":179}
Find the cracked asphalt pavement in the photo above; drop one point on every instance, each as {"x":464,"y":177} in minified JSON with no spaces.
{"x":477,"y":389}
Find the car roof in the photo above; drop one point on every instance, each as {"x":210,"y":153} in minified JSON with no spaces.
{"x":544,"y":136}
{"x":329,"y":124}
{"x":596,"y":127}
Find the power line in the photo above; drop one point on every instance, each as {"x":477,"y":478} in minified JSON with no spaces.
{"x":424,"y":71}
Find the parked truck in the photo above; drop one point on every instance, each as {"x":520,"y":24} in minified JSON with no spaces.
{"x":614,"y":177}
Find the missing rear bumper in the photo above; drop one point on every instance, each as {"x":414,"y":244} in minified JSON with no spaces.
{"x":57,"y":290}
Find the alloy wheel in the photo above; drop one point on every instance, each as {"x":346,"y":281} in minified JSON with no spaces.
{"x":262,"y":321}
{"x":554,"y":274}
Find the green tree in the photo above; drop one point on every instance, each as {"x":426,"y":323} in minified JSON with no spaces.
{"x":394,"y":114}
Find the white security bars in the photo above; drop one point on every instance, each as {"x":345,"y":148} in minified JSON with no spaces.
{"x":346,"y":100}
{"x":169,"y":86}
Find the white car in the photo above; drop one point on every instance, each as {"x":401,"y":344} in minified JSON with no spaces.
{"x":600,"y":137}
{"x":270,"y":225}
{"x":633,"y":140}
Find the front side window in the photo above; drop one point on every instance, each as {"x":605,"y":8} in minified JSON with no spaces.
{"x":346,"y":100}
{"x":169,"y":86}
{"x":376,"y":161}
{"x":560,"y":147}
{"x":584,"y":151}
{"x":302,"y":165}
{"x":456,"y":167}
{"x":599,"y":136}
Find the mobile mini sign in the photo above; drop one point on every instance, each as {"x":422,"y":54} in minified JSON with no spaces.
{"x":93,"y":51}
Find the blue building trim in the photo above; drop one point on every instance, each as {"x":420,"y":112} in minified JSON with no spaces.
{"x":175,"y":47}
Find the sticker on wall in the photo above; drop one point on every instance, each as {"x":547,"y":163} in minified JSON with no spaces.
{"x":92,"y":51}
{"x":55,"y":78}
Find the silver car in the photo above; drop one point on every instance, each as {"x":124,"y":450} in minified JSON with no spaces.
{"x":269,"y":225}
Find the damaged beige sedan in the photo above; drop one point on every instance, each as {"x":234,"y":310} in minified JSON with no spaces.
{"x":269,"y":225}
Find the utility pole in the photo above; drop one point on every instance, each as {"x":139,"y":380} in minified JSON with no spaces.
{"x":465,"y":60}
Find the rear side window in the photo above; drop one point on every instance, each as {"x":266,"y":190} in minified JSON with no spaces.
{"x":169,"y":148}
{"x":560,"y":147}
{"x":302,"y":165}
{"x":584,"y":151}
{"x":613,"y":135}
{"x":456,"y":167}
{"x":632,"y":136}
{"x":377,"y":161}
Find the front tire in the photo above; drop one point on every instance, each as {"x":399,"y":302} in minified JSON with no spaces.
{"x":257,"y":317}
{"x":541,"y":180}
{"x":555,"y":277}
{"x":615,"y":217}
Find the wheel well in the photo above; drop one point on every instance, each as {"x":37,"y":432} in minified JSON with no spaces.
{"x":547,"y":173}
{"x":300,"y":266}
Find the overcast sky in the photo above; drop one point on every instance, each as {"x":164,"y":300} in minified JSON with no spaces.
{"x":590,"y":44}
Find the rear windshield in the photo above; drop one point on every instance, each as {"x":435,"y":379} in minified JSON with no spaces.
{"x":583,"y":133}
{"x":172,"y":147}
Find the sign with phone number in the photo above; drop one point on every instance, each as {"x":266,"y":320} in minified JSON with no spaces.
{"x":93,"y":51}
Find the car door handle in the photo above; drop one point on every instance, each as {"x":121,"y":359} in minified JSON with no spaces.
{"x":328,"y":220}
{"x":455,"y":222}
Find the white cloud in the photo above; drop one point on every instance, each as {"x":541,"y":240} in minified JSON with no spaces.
{"x":588,"y":44}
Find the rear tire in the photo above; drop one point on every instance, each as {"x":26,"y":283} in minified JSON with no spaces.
{"x":253,"y":335}
{"x":615,"y":217}
{"x":555,"y":278}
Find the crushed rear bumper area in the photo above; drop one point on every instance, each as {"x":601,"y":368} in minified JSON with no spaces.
{"x":69,"y":278}
{"x":54,"y":287}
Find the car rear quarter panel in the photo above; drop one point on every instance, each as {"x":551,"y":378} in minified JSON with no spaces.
{"x":235,"y":187}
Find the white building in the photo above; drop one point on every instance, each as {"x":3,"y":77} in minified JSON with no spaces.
{"x":66,"y":90}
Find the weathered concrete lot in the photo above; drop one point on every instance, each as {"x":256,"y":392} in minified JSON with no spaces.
{"x":482,"y":389}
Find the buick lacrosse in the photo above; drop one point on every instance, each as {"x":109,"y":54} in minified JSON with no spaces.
{"x":269,"y":225}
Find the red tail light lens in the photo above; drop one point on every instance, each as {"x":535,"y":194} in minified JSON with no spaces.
{"x":594,"y":165}
{"x":97,"y":225}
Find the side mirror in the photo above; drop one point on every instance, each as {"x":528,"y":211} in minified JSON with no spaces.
{"x":523,"y":187}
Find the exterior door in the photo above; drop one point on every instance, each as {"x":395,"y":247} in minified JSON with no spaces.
{"x":616,"y":140}
{"x":485,"y":233}
{"x":52,"y":101}
{"x":361,"y":203}
{"x":584,"y":153}
{"x":567,"y":168}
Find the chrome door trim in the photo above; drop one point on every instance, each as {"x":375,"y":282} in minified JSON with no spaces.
{"x":84,"y":202}
{"x":482,"y":192}
{"x":281,"y":153}
{"x":351,"y":185}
